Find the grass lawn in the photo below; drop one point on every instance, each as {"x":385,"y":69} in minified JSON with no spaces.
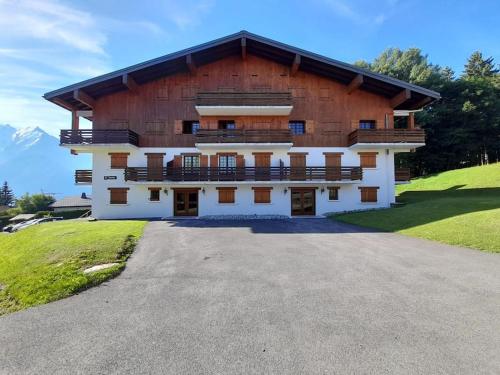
{"x":460,"y":207}
{"x":46,"y":262}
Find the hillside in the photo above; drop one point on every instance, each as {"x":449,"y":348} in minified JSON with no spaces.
{"x":32,"y":161}
{"x":459,"y":207}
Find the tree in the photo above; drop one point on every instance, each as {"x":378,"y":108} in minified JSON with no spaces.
{"x":478,"y":67}
{"x":6,"y":195}
{"x":30,"y":204}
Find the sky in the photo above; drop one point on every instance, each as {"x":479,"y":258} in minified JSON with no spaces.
{"x":48,"y":44}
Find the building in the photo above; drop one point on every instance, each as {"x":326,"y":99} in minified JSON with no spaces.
{"x":241,"y":125}
{"x":78,"y":203}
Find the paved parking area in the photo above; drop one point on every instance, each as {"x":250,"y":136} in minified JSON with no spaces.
{"x":306,"y":296}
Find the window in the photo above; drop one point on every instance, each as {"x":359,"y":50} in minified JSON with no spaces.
{"x":368,"y":194}
{"x":367,"y":124}
{"x":191,"y":161}
{"x":368,"y":159}
{"x":262,"y":194}
{"x":226,"y":194}
{"x":118,"y":160}
{"x":190,"y":127}
{"x":297,"y":127}
{"x":118,"y":195}
{"x":154,"y":194}
{"x":333,"y":193}
{"x":227,"y":163}
{"x":227,"y":124}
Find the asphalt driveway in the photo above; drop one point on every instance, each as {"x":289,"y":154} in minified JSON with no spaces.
{"x":271,"y":297}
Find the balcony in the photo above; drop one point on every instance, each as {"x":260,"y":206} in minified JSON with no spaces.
{"x":402,"y":175}
{"x":83,"y":176}
{"x":244,"y":174}
{"x":244,"y":136}
{"x":404,"y":136}
{"x":93,"y":136}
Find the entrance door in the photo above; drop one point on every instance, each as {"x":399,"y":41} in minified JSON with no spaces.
{"x":303,"y":201}
{"x":185,"y":202}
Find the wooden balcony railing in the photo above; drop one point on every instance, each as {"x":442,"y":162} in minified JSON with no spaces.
{"x":244,"y":174}
{"x":83,"y":176}
{"x":244,"y":136}
{"x":402,"y":174}
{"x":243,"y":99}
{"x":386,"y":136}
{"x":93,"y":136}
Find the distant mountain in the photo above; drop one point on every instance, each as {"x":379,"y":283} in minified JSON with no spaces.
{"x":31,"y":161}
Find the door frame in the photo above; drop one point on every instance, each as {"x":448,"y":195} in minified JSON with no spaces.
{"x":303,"y":189}
{"x":186,"y":191}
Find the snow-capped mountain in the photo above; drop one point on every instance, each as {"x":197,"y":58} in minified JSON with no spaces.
{"x":31,"y":161}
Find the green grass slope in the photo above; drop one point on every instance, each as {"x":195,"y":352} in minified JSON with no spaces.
{"x":459,"y":207}
{"x":46,"y":262}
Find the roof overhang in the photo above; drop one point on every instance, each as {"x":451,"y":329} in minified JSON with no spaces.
{"x":244,"y":110}
{"x":82,"y":96}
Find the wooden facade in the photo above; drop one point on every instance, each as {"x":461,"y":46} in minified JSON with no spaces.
{"x":330,"y":109}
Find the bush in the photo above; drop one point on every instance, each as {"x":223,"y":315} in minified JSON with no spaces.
{"x":41,"y":214}
{"x":69,"y":214}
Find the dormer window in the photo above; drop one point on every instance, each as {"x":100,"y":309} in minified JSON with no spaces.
{"x":367,"y":124}
{"x":190,"y":127}
{"x":297,"y":127}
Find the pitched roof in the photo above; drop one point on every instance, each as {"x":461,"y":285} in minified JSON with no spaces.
{"x":22,"y":217}
{"x":76,"y":201}
{"x":230,"y":45}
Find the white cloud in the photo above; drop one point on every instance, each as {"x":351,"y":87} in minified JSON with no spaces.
{"x":187,"y":13}
{"x":360,"y":15}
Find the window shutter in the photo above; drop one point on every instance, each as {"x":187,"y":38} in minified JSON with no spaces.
{"x":368,"y":193}
{"x":214,"y":161}
{"x":212,"y":124}
{"x":368,"y":159}
{"x":333,"y":163}
{"x":354,"y":124}
{"x":204,"y":161}
{"x":240,"y":161}
{"x":177,"y":161}
{"x":262,"y":194}
{"x":118,"y":195}
{"x":118,"y":159}
{"x":178,"y":127}
{"x":309,"y":126}
{"x":226,"y":194}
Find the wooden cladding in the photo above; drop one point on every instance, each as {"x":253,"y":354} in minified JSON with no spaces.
{"x":368,"y":194}
{"x":118,"y":195}
{"x":262,"y":194}
{"x":118,"y":159}
{"x":368,"y":159}
{"x":226,"y":194}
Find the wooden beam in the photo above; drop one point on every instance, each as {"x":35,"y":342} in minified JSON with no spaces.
{"x":84,"y":113}
{"x":295,"y":65}
{"x":190,"y":63}
{"x":130,"y":83}
{"x":422,"y":102}
{"x":411,"y":120}
{"x":244,"y":48}
{"x":355,"y":84}
{"x":84,"y":98}
{"x":62,"y":103}
{"x":400,"y":98}
{"x":75,"y":120}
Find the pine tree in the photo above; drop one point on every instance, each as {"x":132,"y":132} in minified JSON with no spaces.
{"x":478,"y":67}
{"x":6,"y":195}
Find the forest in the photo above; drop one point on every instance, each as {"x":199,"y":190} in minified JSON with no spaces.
{"x":463,"y":127}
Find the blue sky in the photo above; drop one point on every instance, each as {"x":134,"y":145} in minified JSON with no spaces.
{"x":48,"y":44}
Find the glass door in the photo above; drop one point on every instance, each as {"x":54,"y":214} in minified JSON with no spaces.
{"x":303,"y":202}
{"x":186,"y":203}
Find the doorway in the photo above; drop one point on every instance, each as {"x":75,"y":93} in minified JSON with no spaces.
{"x":303,"y":201}
{"x":186,"y":202}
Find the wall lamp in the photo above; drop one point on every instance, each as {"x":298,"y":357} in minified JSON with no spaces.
{"x":285,"y":191}
{"x":165,"y":191}
{"x":322,"y":190}
{"x":203,"y":191}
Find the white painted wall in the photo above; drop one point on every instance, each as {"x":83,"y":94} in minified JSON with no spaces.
{"x":139,"y":206}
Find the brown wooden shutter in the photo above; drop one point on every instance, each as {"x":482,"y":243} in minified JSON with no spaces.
{"x":333,"y":164}
{"x":368,"y":194}
{"x":309,"y":126}
{"x":118,"y":195}
{"x":214,"y":161}
{"x":178,"y":127}
{"x":240,"y":161}
{"x":155,"y":166}
{"x":118,"y":159}
{"x":262,"y":194}
{"x":354,"y":124}
{"x":368,"y":159}
{"x":226,"y":194}
{"x":212,"y":124}
{"x":177,"y":161}
{"x":297,"y":165}
{"x":204,"y":161}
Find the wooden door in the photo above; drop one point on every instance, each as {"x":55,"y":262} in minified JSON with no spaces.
{"x":262,"y":166}
{"x":303,"y":201}
{"x":333,"y":166}
{"x":155,"y":167}
{"x":297,"y":166}
{"x":185,"y":202}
